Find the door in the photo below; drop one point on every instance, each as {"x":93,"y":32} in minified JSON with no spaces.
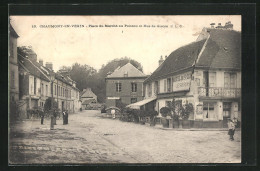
{"x":226,"y":113}
{"x":118,"y":103}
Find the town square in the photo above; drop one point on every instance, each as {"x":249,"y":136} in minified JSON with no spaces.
{"x":100,"y":90}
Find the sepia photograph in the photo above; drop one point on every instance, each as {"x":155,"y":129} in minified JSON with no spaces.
{"x":119,"y":89}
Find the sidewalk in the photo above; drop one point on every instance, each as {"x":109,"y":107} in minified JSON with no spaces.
{"x":158,"y":126}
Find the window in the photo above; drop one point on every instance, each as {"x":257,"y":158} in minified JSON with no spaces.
{"x":42,"y":89}
{"x":212,"y":79}
{"x":226,"y":109}
{"x":12,"y":79}
{"x":34,"y":82}
{"x":165,"y":85}
{"x":156,"y":87}
{"x":230,"y":80}
{"x":208,"y":110}
{"x":149,"y":90}
{"x":31,"y":85}
{"x":134,"y":87}
{"x":12,"y":50}
{"x":54,"y":89}
{"x":133,"y":100}
{"x":46,"y":90}
{"x":118,"y":87}
{"x":63,"y":92}
{"x":126,"y":74}
{"x":169,"y":83}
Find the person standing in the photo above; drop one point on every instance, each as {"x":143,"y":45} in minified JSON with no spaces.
{"x":231,"y":129}
{"x":64,"y":117}
{"x":41,"y":112}
{"x":67,"y":117}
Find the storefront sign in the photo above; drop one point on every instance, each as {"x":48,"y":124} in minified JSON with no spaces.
{"x":182,"y":82}
{"x":113,"y":98}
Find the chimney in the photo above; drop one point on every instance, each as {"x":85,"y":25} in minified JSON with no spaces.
{"x":161,"y":61}
{"x":165,"y":56}
{"x":49,"y":65}
{"x":212,"y":25}
{"x":228,"y":25}
{"x":41,"y":62}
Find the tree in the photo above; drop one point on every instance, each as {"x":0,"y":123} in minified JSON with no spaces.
{"x":48,"y":104}
{"x":165,"y":111}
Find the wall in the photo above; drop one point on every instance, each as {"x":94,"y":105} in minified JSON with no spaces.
{"x":126,"y":91}
{"x":13,"y":68}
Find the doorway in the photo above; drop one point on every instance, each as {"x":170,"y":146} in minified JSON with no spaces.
{"x":226,"y":113}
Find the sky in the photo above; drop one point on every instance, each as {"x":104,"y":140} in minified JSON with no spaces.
{"x":66,"y":44}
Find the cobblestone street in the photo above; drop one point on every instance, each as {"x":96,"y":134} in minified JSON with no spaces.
{"x":90,"y":138}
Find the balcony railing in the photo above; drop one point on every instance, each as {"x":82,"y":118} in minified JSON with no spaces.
{"x":219,"y":92}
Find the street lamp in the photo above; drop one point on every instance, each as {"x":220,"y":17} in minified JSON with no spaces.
{"x":52,"y":78}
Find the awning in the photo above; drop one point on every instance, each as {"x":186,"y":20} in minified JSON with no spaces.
{"x":137,"y":105}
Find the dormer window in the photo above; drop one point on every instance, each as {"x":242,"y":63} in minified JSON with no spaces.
{"x":126,"y":74}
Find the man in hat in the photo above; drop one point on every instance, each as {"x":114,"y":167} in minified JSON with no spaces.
{"x":231,"y":129}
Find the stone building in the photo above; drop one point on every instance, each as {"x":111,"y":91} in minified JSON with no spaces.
{"x":206,"y":73}
{"x":124,"y":85}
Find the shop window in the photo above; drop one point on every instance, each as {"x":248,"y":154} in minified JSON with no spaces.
{"x":133,"y":100}
{"x":208,"y":110}
{"x":134,"y":87}
{"x":118,"y":87}
{"x":226,"y":109}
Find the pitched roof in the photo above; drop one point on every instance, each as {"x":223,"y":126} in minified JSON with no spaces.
{"x":88,"y":101}
{"x":33,"y":69}
{"x":223,"y":50}
{"x":87,"y":93}
{"x":13,"y":32}
{"x":179,"y":59}
{"x":128,"y":69}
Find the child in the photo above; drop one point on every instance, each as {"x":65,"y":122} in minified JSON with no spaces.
{"x":231,"y":129}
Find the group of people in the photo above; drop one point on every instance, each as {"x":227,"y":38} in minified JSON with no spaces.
{"x":65,"y":116}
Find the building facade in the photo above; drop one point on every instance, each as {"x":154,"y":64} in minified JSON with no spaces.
{"x":124,"y":85}
{"x":87,"y":96}
{"x":36,"y":85}
{"x":206,"y":73}
{"x":13,"y":67}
